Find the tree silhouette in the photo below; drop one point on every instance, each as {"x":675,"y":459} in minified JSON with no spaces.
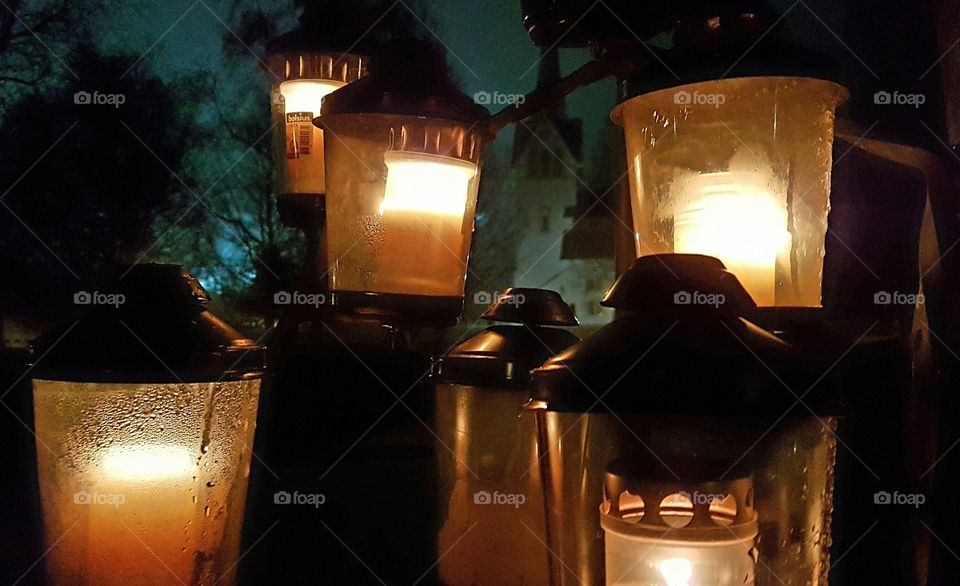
{"x":83,"y":180}
{"x":35,"y":37}
{"x":233,"y":238}
{"x":181,"y":172}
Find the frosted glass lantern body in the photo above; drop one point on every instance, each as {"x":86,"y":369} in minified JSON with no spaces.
{"x":301,"y":83}
{"x":792,"y":464}
{"x":487,"y":447}
{"x":400,"y":211}
{"x":144,"y":483}
{"x":652,"y":562}
{"x":738,"y":169}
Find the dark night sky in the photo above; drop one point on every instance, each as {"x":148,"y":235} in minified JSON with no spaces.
{"x":488,"y":47}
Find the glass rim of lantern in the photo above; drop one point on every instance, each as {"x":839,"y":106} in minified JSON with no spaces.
{"x":617,"y":114}
{"x":300,"y":82}
{"x":313,"y":65}
{"x":405,"y":156}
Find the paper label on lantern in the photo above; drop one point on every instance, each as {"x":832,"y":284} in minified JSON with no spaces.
{"x":299,"y":134}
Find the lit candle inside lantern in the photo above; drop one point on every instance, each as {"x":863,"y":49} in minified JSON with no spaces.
{"x":143,"y":476}
{"x":673,"y":541}
{"x":146,"y":463}
{"x":663,"y":561}
{"x":149,"y":481}
{"x":427,"y":184}
{"x":305,"y":166}
{"x":402,"y":183}
{"x":423,"y":209}
{"x":775,"y":127}
{"x":735,"y":217}
{"x":146,"y":535}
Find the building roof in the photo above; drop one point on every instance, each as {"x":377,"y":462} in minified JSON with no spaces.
{"x":591,"y":237}
{"x":569,"y":130}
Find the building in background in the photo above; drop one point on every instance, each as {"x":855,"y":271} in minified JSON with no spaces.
{"x":565,"y":242}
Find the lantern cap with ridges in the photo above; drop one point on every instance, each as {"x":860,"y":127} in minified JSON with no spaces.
{"x":407,"y":78}
{"x":503,"y":355}
{"x":158,"y":330}
{"x":330,"y":66}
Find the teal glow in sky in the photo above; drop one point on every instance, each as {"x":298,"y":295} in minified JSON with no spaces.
{"x":487,"y":44}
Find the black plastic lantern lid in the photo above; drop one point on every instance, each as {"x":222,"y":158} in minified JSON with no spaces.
{"x":326,"y":27}
{"x":523,"y":305}
{"x":503,"y":355}
{"x":742,"y":41}
{"x":769,"y":57}
{"x":654,"y":282}
{"x":670,"y":469}
{"x":408,"y":78}
{"x":578,"y":23}
{"x":150,"y":325}
{"x":680,"y":345}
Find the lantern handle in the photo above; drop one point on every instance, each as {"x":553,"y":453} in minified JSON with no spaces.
{"x":600,"y":67}
{"x":938,"y":232}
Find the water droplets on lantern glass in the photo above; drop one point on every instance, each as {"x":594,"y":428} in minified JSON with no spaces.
{"x":177,"y":453}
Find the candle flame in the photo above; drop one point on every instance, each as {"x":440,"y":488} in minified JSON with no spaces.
{"x":147,"y":462}
{"x":733,"y":219}
{"x":740,"y":218}
{"x":676,"y":571}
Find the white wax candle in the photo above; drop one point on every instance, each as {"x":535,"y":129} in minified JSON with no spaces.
{"x":661,"y":561}
{"x":302,"y":98}
{"x":676,"y":571}
{"x":147,"y":535}
{"x":427,"y":184}
{"x":423,"y":208}
{"x":736,"y":218}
